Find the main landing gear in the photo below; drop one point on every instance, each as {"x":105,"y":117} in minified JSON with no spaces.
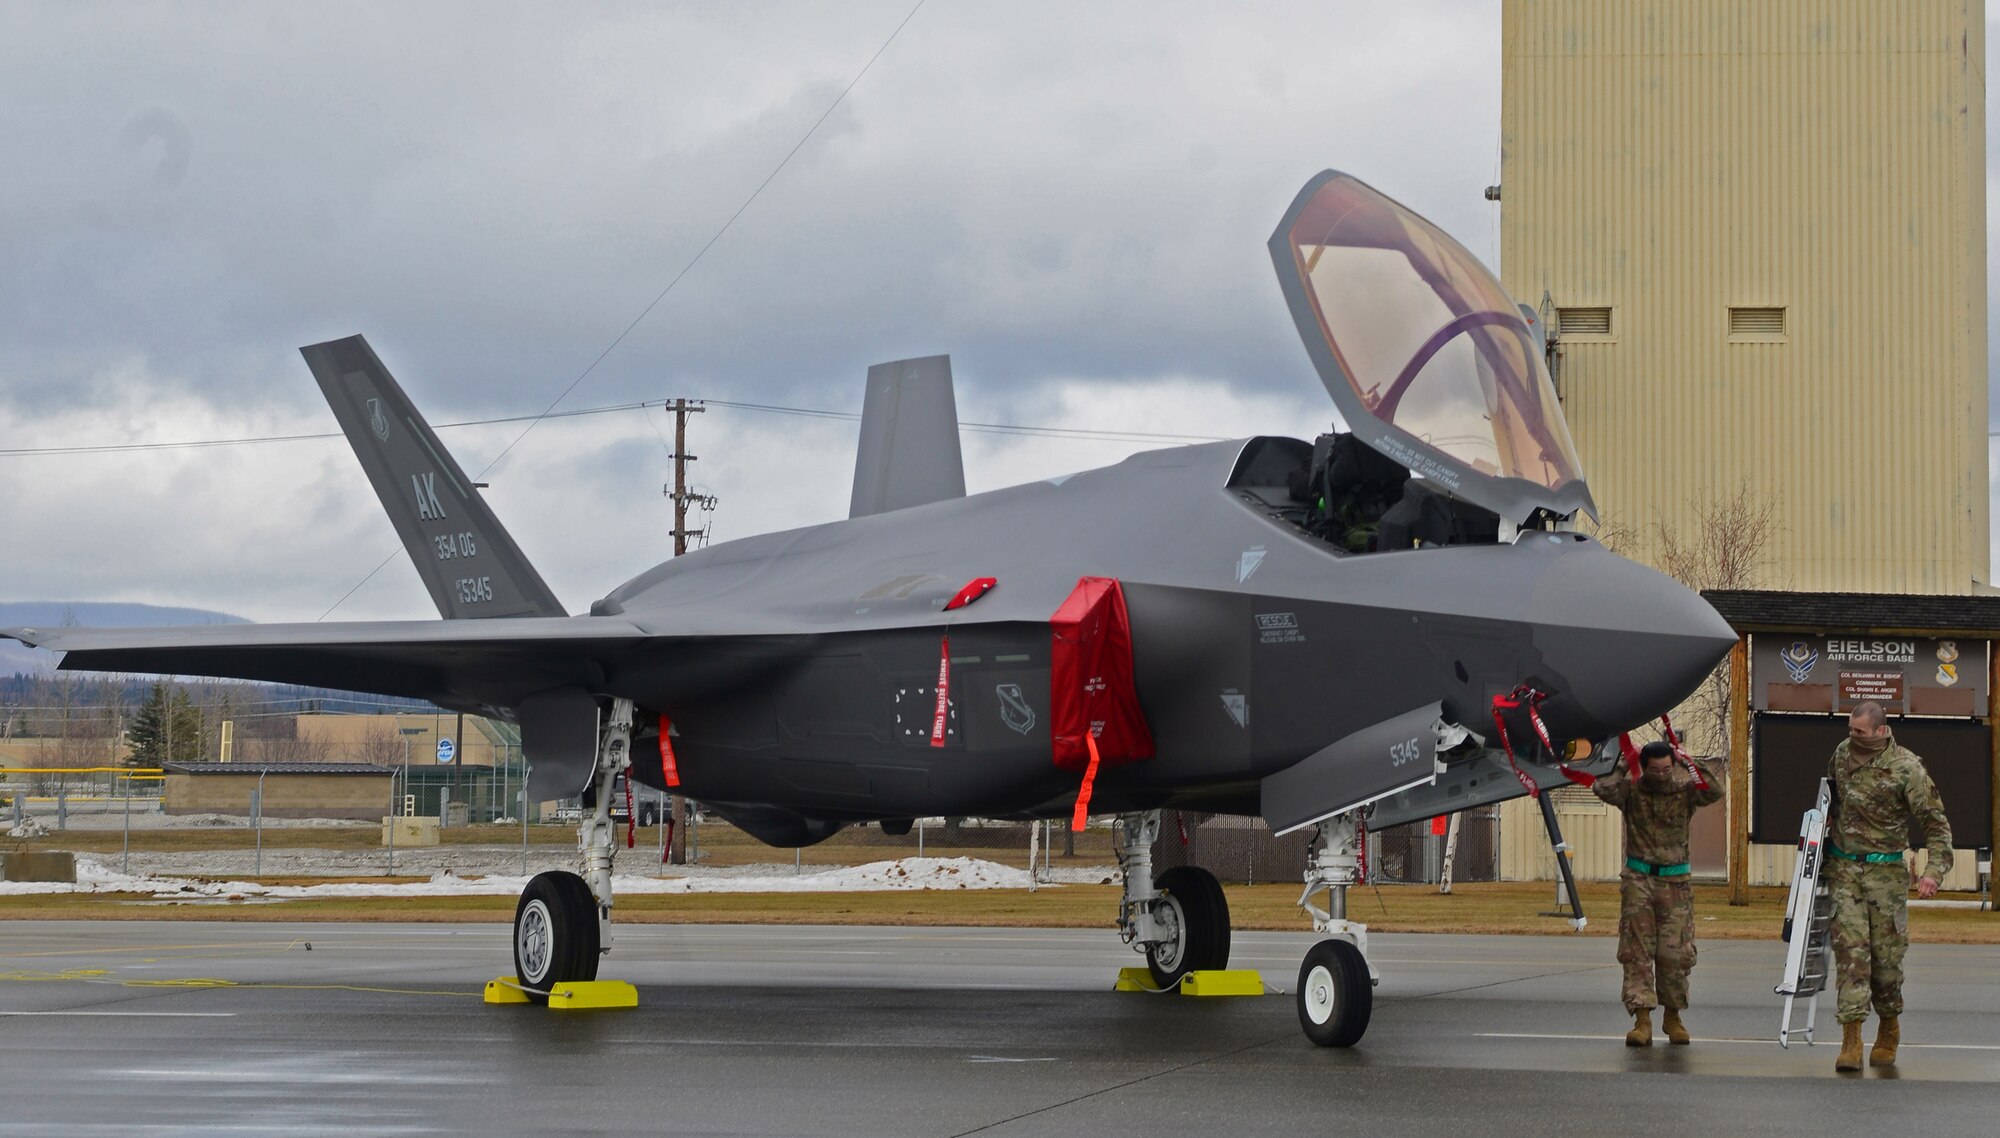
{"x":1336,"y":992}
{"x":562,"y":924}
{"x":1180,"y":919}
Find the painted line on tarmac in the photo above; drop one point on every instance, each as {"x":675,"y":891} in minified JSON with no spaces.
{"x":128,"y":1015}
{"x":1702,"y":1039}
{"x":127,"y":950}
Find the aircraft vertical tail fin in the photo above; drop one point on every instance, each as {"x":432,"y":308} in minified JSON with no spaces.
{"x":465,"y":557}
{"x":909,"y":452}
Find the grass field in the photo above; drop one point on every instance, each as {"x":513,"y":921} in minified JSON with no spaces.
{"x":1511,"y":907}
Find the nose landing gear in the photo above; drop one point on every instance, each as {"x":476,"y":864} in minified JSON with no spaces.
{"x":1336,"y":991}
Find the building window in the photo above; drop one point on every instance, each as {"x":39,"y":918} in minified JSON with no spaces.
{"x":1761,"y":325}
{"x":1583,"y":322}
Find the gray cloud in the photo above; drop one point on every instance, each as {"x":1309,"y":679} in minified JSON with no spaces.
{"x":1042,"y":189}
{"x":1070,"y":199}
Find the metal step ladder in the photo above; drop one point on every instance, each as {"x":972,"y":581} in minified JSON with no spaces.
{"x":1808,"y":923}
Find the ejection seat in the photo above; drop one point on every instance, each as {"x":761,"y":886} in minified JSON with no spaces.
{"x":1347,"y":488}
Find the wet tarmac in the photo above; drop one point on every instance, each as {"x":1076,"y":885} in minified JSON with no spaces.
{"x":143,"y":1028}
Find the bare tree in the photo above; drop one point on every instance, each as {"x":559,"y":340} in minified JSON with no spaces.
{"x":1612,"y":533}
{"x":382,"y":747}
{"x":1728,"y":546}
{"x":277,"y":740}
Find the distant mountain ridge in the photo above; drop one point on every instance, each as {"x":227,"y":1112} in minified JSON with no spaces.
{"x":18,"y":657}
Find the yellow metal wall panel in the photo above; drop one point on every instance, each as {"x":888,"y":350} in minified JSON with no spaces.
{"x":1672,"y":159}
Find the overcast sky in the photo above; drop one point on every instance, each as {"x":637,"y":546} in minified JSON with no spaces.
{"x":1071,"y":200}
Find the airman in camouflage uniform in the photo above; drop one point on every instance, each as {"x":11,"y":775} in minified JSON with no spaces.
{"x":1656,"y":901}
{"x":1879,"y":787}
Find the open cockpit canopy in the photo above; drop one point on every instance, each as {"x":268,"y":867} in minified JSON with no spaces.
{"x":1428,"y":359}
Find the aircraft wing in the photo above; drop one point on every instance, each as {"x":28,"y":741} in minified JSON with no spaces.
{"x":453,"y":663}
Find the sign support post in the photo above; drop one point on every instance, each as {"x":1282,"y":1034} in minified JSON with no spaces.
{"x":1739,"y":772}
{"x":1993,"y":785}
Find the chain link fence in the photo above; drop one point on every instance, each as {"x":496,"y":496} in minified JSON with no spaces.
{"x":48,"y":798}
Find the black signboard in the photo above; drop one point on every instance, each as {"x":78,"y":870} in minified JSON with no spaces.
{"x":1791,"y":756}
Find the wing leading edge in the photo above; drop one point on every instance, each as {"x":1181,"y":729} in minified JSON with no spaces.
{"x":482,"y":663}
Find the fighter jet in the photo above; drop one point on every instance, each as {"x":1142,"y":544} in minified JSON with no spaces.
{"x":1386,"y":623}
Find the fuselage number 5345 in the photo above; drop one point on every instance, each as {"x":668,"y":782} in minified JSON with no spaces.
{"x":1404,"y":752}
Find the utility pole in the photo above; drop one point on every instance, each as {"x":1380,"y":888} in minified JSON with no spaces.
{"x":682,"y":497}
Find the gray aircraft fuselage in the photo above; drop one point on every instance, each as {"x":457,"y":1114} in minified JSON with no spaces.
{"x":1254,"y":644}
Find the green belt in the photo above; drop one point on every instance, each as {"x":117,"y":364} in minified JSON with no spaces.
{"x":1651,"y":870}
{"x":1870,"y":858}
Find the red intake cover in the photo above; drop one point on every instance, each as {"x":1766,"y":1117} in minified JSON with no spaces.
{"x":1090,"y":679}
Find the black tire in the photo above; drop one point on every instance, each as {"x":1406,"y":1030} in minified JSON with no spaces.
{"x":555,"y":933}
{"x":1198,"y":913}
{"x":1335,"y":995}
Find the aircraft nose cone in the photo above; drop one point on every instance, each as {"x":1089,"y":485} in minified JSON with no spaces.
{"x":1628,"y":644}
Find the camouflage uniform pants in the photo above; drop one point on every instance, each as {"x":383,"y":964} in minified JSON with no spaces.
{"x":1655,"y":939}
{"x":1871,"y":928}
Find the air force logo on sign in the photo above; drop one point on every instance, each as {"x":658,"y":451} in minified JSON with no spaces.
{"x":377,"y":421}
{"x":1014,"y":709}
{"x":1799,"y":660}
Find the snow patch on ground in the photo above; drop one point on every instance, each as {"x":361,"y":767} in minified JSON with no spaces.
{"x":29,"y":828}
{"x":904,"y":873}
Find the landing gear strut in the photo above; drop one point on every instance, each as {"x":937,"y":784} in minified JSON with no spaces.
{"x":1180,"y":919}
{"x":1336,"y":992}
{"x":562,"y":924}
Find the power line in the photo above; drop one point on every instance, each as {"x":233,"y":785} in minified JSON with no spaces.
{"x":703,"y":251}
{"x":1092,"y":434}
{"x":194,"y":444}
{"x":654,"y":303}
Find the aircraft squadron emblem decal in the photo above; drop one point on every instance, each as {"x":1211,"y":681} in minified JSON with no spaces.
{"x":1799,"y":660}
{"x":1014,"y":709}
{"x":377,"y":421}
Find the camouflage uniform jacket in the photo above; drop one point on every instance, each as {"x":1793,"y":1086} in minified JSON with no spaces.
{"x":1875,"y":799}
{"x":1656,"y":821}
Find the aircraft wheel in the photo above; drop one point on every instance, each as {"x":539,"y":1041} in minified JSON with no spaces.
{"x":555,"y":933}
{"x":1335,"y":996}
{"x":1196,"y":916}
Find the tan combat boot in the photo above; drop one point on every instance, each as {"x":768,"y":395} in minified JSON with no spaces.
{"x":1887,"y":1035}
{"x":1671,"y":1024}
{"x":1849,"y":1058}
{"x":1641,"y":1034}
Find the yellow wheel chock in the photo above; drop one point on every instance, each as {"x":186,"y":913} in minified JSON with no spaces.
{"x":1211,"y":982}
{"x":568,"y":996}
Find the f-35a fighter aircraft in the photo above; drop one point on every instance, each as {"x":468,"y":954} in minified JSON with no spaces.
{"x":1379,"y":625}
